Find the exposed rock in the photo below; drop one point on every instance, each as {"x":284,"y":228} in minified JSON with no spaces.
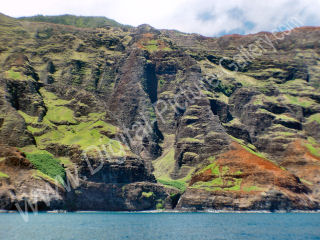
{"x":147,"y":119}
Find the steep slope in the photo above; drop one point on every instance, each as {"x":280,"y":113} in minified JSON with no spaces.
{"x":141,"y":119}
{"x":81,"y":22}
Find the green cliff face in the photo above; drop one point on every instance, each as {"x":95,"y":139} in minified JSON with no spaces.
{"x":138,"y":118}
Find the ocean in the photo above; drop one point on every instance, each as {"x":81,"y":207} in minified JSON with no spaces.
{"x":158,"y":226}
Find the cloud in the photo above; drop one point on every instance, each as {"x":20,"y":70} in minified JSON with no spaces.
{"x":207,"y":17}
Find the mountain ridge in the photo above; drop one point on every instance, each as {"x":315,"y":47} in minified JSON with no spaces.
{"x":142,"y":119}
{"x":77,"y":21}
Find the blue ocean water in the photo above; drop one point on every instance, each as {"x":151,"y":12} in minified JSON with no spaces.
{"x":158,"y":226}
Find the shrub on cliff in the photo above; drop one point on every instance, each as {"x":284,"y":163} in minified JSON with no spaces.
{"x":47,"y":164}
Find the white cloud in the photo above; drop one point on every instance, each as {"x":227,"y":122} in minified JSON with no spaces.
{"x":207,"y":17}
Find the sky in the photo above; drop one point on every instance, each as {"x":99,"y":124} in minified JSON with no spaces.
{"x":206,"y":17}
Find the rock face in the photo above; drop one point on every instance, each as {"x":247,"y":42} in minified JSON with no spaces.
{"x":122,"y":118}
{"x":22,"y":186}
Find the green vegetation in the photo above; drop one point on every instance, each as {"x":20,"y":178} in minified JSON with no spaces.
{"x":155,"y":45}
{"x":219,"y":184}
{"x":235,"y":121}
{"x":52,"y":99}
{"x":36,"y":130}
{"x":167,"y":93}
{"x":259,"y":154}
{"x":222,"y":179}
{"x":300,"y":101}
{"x":164,"y":166}
{"x":178,"y":184}
{"x":101,"y":124}
{"x":93,"y":51}
{"x":77,"y":21}
{"x":257,"y":100}
{"x":60,"y":115}
{"x":251,"y":188}
{"x":62,"y":127}
{"x":40,"y":175}
{"x":34,"y":151}
{"x":314,"y":151}
{"x":312,"y":141}
{"x":236,"y":182}
{"x":314,"y":117}
{"x":3,"y":175}
{"x":313,"y":147}
{"x":261,"y":99}
{"x":209,"y":94}
{"x":161,"y":81}
{"x":83,"y":135}
{"x":188,"y":117}
{"x":159,"y":205}
{"x":209,"y":186}
{"x":284,"y":117}
{"x":286,"y":133}
{"x":28,"y":119}
{"x":48,"y":165}
{"x":213,"y":167}
{"x":45,"y":33}
{"x":65,"y":161}
{"x":147,"y":194}
{"x":56,"y":112}
{"x":14,"y":75}
{"x":196,"y":107}
{"x":306,"y":182}
{"x":250,"y":148}
{"x":152,"y":46}
{"x":152,"y":113}
{"x":226,"y":89}
{"x":264,"y":89}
